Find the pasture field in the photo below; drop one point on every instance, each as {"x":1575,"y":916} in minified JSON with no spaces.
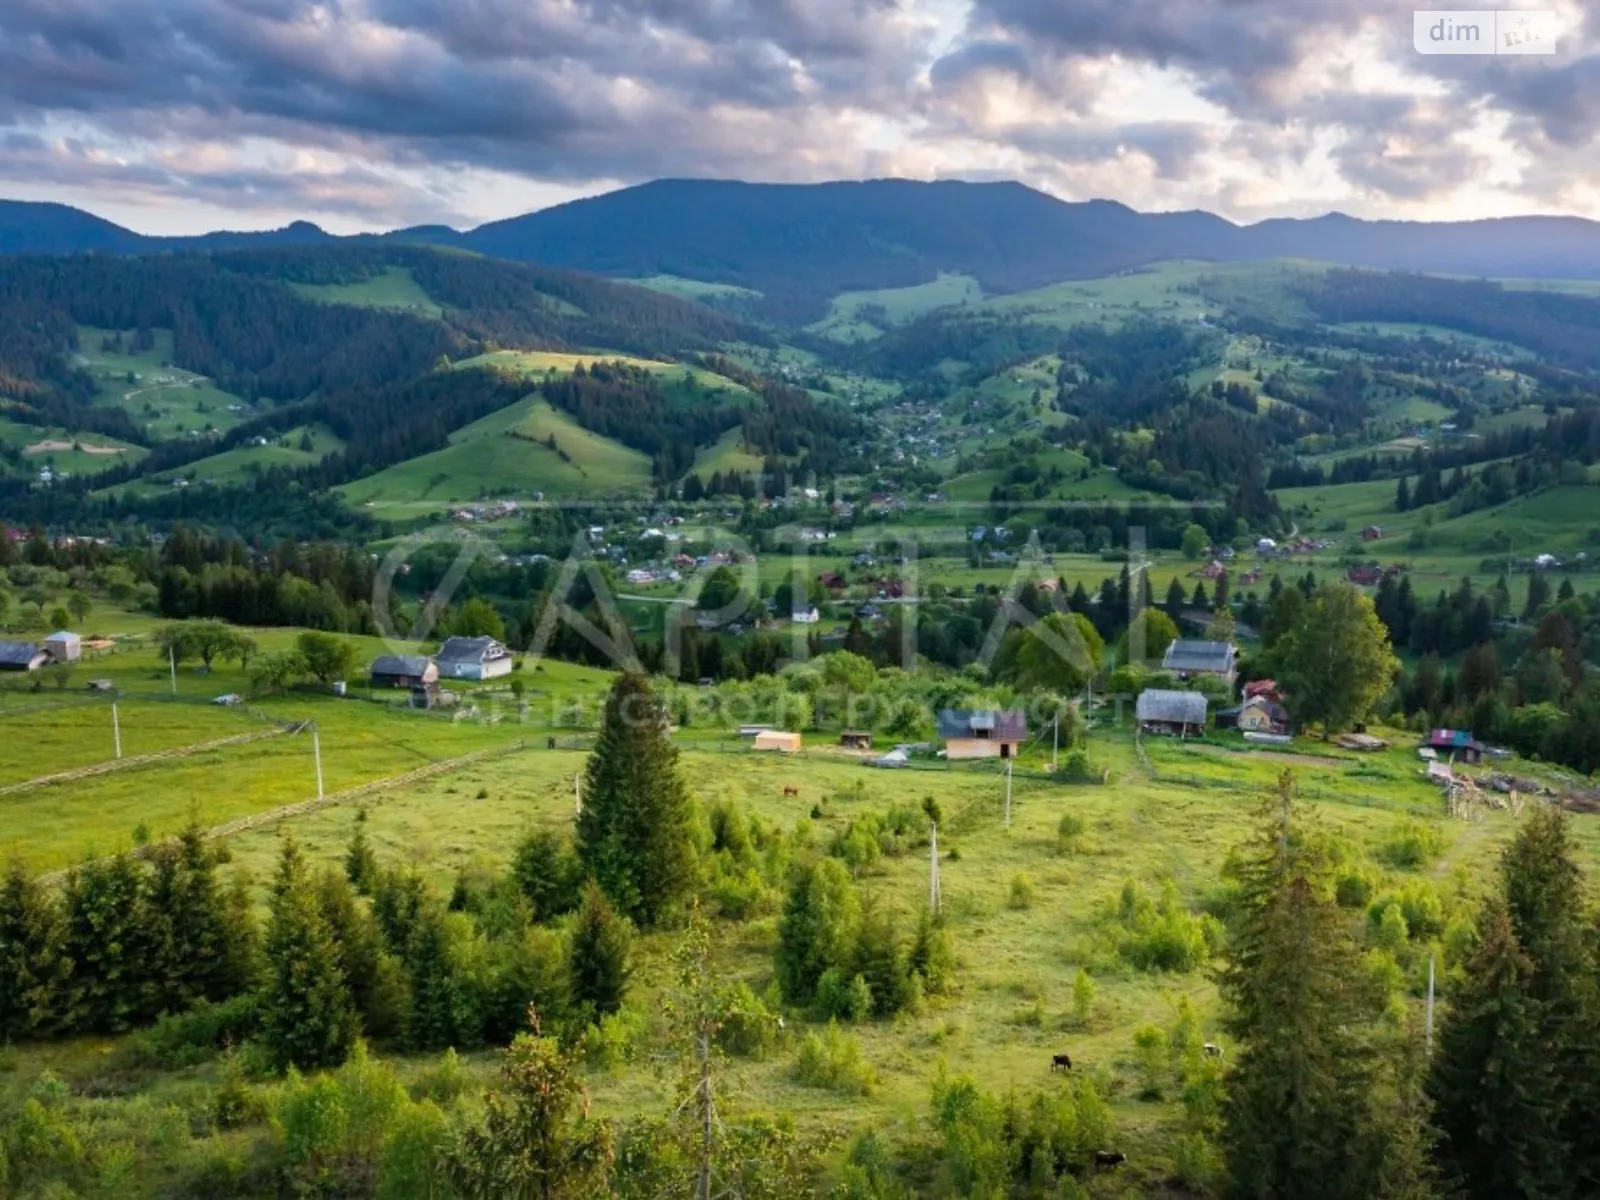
{"x":697,"y":289}
{"x":1171,"y":823}
{"x":539,"y":364}
{"x":167,"y":400}
{"x":727,"y":453}
{"x":243,"y":462}
{"x":393,"y":287}
{"x":848,"y":322}
{"x":64,"y":451}
{"x":508,"y":454}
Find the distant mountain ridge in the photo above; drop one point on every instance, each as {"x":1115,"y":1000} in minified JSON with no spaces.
{"x":799,"y":244}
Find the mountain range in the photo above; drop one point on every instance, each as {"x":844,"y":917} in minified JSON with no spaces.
{"x":800,"y":244}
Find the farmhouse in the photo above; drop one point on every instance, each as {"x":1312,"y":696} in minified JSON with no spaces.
{"x":1458,"y":743}
{"x":1190,"y":659}
{"x":63,"y":646}
{"x":1169,"y":712}
{"x":1256,"y":715}
{"x":473,"y":658}
{"x":403,"y":671}
{"x":776,"y":739}
{"x":807,"y":616}
{"x":22,"y":656}
{"x":982,"y":734}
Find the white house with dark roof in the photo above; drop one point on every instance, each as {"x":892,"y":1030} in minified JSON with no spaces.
{"x":473,"y":658}
{"x":1188,"y":659}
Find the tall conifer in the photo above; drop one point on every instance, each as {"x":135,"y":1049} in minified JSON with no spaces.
{"x":307,"y":1017}
{"x":33,"y":966}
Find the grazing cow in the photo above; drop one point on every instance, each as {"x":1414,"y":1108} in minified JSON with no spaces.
{"x":1213,"y":1050}
{"x":1109,"y":1158}
{"x":792,"y":791}
{"x":1060,"y":1062}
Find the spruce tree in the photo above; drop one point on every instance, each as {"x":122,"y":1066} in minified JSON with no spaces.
{"x":1297,"y":1109}
{"x":307,"y":1017}
{"x":1545,"y":902}
{"x":188,"y":925}
{"x":818,"y":928}
{"x":33,"y":967}
{"x":598,"y":961}
{"x":433,"y":1017}
{"x":634,"y":837}
{"x":1493,"y":1090}
{"x":108,"y":945}
{"x":360,"y":863}
{"x":374,"y":977}
{"x":547,"y":875}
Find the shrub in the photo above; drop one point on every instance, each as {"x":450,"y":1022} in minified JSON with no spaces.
{"x":1021,"y":894}
{"x":1082,"y":998}
{"x":1162,"y":935}
{"x":748,"y":1028}
{"x":184,"y":1039}
{"x":1150,"y":1059}
{"x":444,"y":1083}
{"x":1353,"y":889}
{"x":832,"y":1060}
{"x":1412,"y":845}
{"x":1069,"y":830}
{"x":1418,"y":903}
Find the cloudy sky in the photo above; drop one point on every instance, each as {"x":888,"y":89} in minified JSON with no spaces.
{"x":184,"y":115}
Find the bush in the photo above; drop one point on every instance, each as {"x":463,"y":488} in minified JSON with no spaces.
{"x":1353,"y":889}
{"x":1020,"y":895}
{"x":1162,"y":935}
{"x":748,"y":1027}
{"x":197,"y":1035}
{"x":843,"y":997}
{"x":1417,"y":903}
{"x":833,"y":1061}
{"x":445,"y":1083}
{"x":1412,"y":845}
{"x":1069,"y":830}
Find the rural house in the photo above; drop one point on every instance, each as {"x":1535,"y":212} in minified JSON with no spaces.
{"x":22,"y":656}
{"x":1168,"y":712}
{"x":1190,"y":659}
{"x":1258,"y":714}
{"x":473,"y":658}
{"x":403,"y":671}
{"x":982,"y":734}
{"x":1457,"y":743}
{"x":64,"y":646}
{"x":778,"y":740}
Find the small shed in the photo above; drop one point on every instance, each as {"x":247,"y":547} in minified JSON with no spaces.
{"x":403,"y":670}
{"x":855,"y":739}
{"x":1459,"y":744}
{"x":431,"y":695}
{"x":983,"y":733}
{"x":22,"y":656}
{"x":779,"y":741}
{"x":64,"y":646}
{"x":1170,"y":712}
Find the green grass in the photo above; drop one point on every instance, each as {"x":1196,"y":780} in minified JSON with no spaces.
{"x":505,"y":454}
{"x":167,"y":400}
{"x":846,"y":321}
{"x":53,"y":447}
{"x":696,"y":289}
{"x":727,"y":454}
{"x":393,"y":287}
{"x":243,"y":462}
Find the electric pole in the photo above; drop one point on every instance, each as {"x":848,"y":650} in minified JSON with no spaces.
{"x":1008,"y":793}
{"x":577,"y":794}
{"x":316,"y":752}
{"x":933,"y":869}
{"x":116,"y":730}
{"x":1430,"y":1007}
{"x":172,"y":662}
{"x":1055,"y":745}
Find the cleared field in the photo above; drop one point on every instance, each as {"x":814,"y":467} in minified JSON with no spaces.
{"x":394,"y":287}
{"x":64,"y":451}
{"x":1017,"y":965}
{"x":241,"y":462}
{"x":696,"y":289}
{"x":860,"y":316}
{"x":541,"y":363}
{"x":508,"y":454}
{"x":167,"y":400}
{"x":727,"y":454}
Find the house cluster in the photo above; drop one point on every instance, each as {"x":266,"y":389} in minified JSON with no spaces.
{"x":497,"y":511}
{"x":60,"y":648}
{"x":1370,"y":574}
{"x":1261,"y":715}
{"x":1267,"y":548}
{"x":462,"y":658}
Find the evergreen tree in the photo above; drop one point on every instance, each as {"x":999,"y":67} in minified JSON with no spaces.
{"x":240,"y":966}
{"x":1493,"y":1091}
{"x":188,"y":925}
{"x":818,"y":928}
{"x":360,"y":863}
{"x":373,"y":975}
{"x":1538,"y":597}
{"x":307,"y":1017}
{"x":1402,"y":495}
{"x":434,"y":1018}
{"x":634,"y":837}
{"x":1545,"y":901}
{"x":881,"y":961}
{"x":547,"y":874}
{"x":1297,"y":1109}
{"x":1176,"y":599}
{"x":597,"y":963}
{"x":107,"y":944}
{"x":33,"y":970}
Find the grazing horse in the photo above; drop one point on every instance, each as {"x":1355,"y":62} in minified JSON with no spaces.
{"x":1213,"y":1050}
{"x":792,"y":791}
{"x":1109,"y":1158}
{"x":1060,"y":1062}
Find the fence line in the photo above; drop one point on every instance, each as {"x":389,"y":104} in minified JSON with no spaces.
{"x":243,"y":824}
{"x":139,"y":760}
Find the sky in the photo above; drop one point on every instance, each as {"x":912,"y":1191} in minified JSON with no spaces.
{"x":180,"y":116}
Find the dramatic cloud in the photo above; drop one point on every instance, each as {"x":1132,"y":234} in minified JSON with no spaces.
{"x":374,"y":113}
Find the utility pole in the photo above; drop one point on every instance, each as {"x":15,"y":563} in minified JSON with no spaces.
{"x":1055,"y":745}
{"x":172,"y":662}
{"x":1430,"y":1007}
{"x":577,"y":794}
{"x":116,"y":729}
{"x":702,"y":1185}
{"x":933,"y":869}
{"x":316,"y":751}
{"x":1008,"y":793}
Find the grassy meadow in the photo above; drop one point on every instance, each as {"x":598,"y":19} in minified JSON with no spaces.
{"x":393,"y":287}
